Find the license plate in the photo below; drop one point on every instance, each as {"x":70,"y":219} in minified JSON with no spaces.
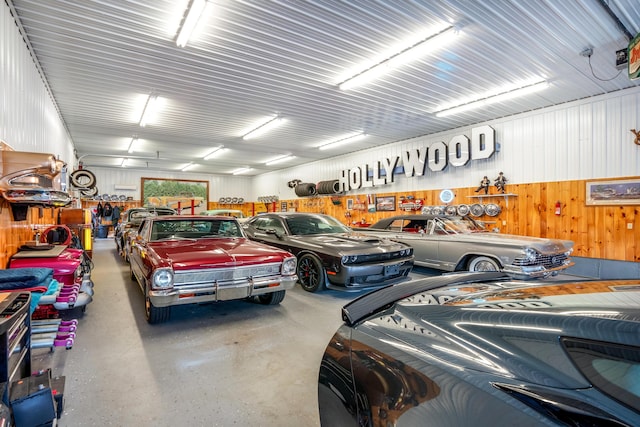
{"x":391,"y":270}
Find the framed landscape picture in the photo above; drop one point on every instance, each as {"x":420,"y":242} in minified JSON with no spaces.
{"x":185,"y":196}
{"x":386,"y":203}
{"x":614,"y":192}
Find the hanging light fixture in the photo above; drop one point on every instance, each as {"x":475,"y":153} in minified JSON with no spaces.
{"x":417,"y":48}
{"x":335,"y":143}
{"x":194,"y":12}
{"x":124,"y":162}
{"x":149,"y":111}
{"x":497,"y":95}
{"x":216,"y":152}
{"x":132,"y":144}
{"x":241,"y":170}
{"x":264,"y":126}
{"x":279,"y":160}
{"x":187,"y":166}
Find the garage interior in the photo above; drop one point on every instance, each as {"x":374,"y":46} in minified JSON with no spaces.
{"x":76,"y":78}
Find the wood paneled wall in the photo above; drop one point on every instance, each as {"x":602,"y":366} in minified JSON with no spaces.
{"x":598,"y":231}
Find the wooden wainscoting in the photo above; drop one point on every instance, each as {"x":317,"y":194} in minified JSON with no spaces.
{"x":598,"y":231}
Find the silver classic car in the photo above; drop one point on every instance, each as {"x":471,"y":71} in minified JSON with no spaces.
{"x":454,"y":243}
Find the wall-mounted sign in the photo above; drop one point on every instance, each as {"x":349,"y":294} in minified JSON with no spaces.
{"x":436,"y":157}
{"x":446,"y":196}
{"x":634,"y":58}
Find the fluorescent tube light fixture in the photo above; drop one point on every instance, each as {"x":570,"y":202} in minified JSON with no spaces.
{"x":279,"y":160}
{"x":342,"y":141}
{"x":150,"y":109}
{"x":124,"y":162}
{"x":494,"y":96}
{"x":425,"y":44}
{"x":216,"y":152}
{"x":263,"y":127}
{"x":132,"y":144}
{"x":196,"y":7}
{"x":187,"y":166}
{"x":241,"y":171}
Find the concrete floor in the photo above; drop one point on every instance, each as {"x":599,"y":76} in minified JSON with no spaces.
{"x":223,"y":364}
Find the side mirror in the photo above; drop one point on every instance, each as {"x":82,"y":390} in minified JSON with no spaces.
{"x":274,"y":232}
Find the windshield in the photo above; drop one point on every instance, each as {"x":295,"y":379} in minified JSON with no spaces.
{"x":194,"y":229}
{"x":315,"y":224}
{"x":458,"y":225}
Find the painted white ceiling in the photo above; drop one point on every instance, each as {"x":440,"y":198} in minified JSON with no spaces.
{"x":254,"y":58}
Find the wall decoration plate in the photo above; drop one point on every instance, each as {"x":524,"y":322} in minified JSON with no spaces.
{"x":477,"y":209}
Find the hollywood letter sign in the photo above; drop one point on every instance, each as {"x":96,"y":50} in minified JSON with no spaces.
{"x":458,"y":152}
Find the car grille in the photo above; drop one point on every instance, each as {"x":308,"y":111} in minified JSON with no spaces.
{"x":547,"y":261}
{"x":374,"y":258}
{"x":222,"y":275}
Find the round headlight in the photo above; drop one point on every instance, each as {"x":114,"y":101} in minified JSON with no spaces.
{"x":288,"y":266}
{"x":162,"y":278}
{"x":349,"y":259}
{"x":531,"y":254}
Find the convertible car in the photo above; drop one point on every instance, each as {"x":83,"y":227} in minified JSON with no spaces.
{"x":482,"y":349}
{"x":455,"y":243}
{"x":330,"y":254}
{"x":130,"y":220}
{"x":193,"y":259}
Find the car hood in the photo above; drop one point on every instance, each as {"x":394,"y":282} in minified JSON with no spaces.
{"x":351,"y":242}
{"x":188,"y":254}
{"x":543,"y":245}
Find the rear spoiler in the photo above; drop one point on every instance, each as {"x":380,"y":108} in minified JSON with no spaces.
{"x":380,"y":299}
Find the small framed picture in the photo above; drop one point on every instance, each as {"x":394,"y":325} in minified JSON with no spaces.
{"x":349,"y":204}
{"x":386,"y":203}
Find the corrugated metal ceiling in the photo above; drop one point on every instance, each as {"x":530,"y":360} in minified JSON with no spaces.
{"x":255,"y":58}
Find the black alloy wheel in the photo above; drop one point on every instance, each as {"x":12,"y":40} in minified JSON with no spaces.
{"x":311,"y":274}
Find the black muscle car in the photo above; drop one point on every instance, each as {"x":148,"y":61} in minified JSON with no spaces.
{"x":330,"y":254}
{"x":482,"y":349}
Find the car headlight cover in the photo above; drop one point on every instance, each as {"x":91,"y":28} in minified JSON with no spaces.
{"x":162,"y":278}
{"x":349,"y":259}
{"x":406,"y":252}
{"x":289,"y":266}
{"x":531,"y":254}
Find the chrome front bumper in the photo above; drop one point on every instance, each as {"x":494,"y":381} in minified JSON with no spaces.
{"x":534,"y":271}
{"x":220,"y":291}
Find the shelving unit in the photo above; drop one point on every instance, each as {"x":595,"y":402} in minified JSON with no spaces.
{"x":15,"y":336}
{"x":488,"y":196}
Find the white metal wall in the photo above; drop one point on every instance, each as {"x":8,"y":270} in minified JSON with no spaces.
{"x":219,"y":185}
{"x":584,"y":139}
{"x":29,"y":120}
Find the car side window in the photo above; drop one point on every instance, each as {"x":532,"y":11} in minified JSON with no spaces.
{"x":612,"y":368}
{"x":260,"y":223}
{"x":144,"y":230}
{"x":397,"y":224}
{"x":275,"y":224}
{"x":229,"y":229}
{"x":264,"y":224}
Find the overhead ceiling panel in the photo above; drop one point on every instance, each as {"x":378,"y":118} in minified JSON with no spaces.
{"x":253,"y":59}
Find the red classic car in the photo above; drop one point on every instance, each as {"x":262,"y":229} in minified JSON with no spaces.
{"x":192,"y":259}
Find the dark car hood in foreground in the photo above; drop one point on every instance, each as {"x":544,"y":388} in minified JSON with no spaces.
{"x":351,"y":242}
{"x":187,"y":254}
{"x":508,"y":329}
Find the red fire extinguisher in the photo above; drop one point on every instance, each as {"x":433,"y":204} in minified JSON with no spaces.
{"x":558,"y":208}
